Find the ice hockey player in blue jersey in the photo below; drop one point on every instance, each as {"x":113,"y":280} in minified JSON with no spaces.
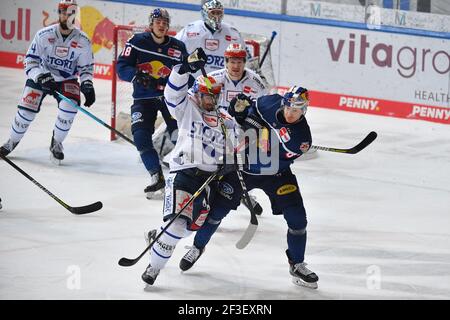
{"x":289,"y":138}
{"x":146,"y":61}
{"x":57,"y":57}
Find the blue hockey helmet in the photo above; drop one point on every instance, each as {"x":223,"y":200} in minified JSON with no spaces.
{"x":159,"y":13}
{"x":296,"y":97}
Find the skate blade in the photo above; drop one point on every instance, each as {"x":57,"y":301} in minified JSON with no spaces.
{"x":54,"y":160}
{"x":157,"y":195}
{"x":300,"y":282}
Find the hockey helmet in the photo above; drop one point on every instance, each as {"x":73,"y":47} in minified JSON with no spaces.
{"x":68,"y":7}
{"x":235,"y":50}
{"x":212,"y":20}
{"x":65,"y":5}
{"x":159,"y":13}
{"x":296,"y":97}
{"x":200,"y":86}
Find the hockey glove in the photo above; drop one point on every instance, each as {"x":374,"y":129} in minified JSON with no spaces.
{"x":194,"y":62}
{"x":239,"y":106}
{"x":87,"y":88}
{"x":143,"y":78}
{"x":48,"y":84}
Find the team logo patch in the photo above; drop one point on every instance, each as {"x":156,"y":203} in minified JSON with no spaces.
{"x":136,"y":117}
{"x":71,"y":88}
{"x":286,"y":189}
{"x":192,"y":34}
{"x":31,"y":99}
{"x":74,"y":44}
{"x":231,"y":95}
{"x":51,"y":40}
{"x":304,"y":147}
{"x":230,"y":38}
{"x":226,"y":190}
{"x":182,"y":198}
{"x":247,"y":90}
{"x":61,"y":52}
{"x":212,"y":44}
{"x":284,"y":135}
{"x":210,"y":120}
{"x":174,"y":53}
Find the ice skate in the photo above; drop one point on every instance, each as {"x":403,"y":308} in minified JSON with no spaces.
{"x":8,"y":147}
{"x":190,"y":258}
{"x":301,"y":275}
{"x":156,"y":188}
{"x":256,"y":206}
{"x":56,"y":151}
{"x":150,"y":274}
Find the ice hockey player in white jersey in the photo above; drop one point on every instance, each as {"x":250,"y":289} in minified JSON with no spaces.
{"x":211,"y":34}
{"x":197,"y":154}
{"x":57,"y":57}
{"x":236,"y":78}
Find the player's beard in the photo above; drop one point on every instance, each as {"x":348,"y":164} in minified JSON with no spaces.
{"x":63,"y":25}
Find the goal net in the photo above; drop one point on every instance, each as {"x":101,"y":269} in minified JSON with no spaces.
{"x":121,"y":93}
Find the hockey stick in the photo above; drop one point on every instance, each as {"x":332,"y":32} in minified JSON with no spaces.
{"x":120,"y":134}
{"x":75,"y":210}
{"x":125,"y":262}
{"x":253,"y":225}
{"x":360,"y":146}
{"x":274,"y":33}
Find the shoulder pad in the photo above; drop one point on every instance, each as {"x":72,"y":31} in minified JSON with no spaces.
{"x":45,"y":30}
{"x":84,"y":37}
{"x":258,"y":81}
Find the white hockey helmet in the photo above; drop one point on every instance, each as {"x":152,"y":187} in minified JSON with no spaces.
{"x":212,"y":14}
{"x":66,"y":4}
{"x":159,"y":13}
{"x":296,"y":97}
{"x":235,"y":50}
{"x":69,"y":7}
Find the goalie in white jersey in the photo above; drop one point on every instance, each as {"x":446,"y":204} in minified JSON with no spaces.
{"x":211,"y":34}
{"x":57,"y":57}
{"x":197,"y":155}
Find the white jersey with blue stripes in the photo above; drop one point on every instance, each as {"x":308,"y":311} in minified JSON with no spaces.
{"x":65,"y":58}
{"x":200,"y":142}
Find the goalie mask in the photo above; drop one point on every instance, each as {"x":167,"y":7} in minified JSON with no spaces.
{"x":68,"y":8}
{"x":212,"y":14}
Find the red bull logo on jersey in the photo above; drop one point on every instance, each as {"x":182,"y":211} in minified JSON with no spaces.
{"x":155,"y":68}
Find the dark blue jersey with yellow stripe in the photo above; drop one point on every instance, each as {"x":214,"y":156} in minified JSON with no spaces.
{"x":141,"y":52}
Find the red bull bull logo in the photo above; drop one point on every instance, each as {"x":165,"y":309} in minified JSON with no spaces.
{"x":155,"y":68}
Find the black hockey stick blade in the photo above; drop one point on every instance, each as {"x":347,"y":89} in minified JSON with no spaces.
{"x":360,"y":146}
{"x":125,"y":262}
{"x":86,"y":209}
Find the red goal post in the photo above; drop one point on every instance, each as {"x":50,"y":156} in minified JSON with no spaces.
{"x":121,"y":91}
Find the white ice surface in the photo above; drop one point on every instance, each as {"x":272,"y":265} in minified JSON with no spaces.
{"x":379,"y":221}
